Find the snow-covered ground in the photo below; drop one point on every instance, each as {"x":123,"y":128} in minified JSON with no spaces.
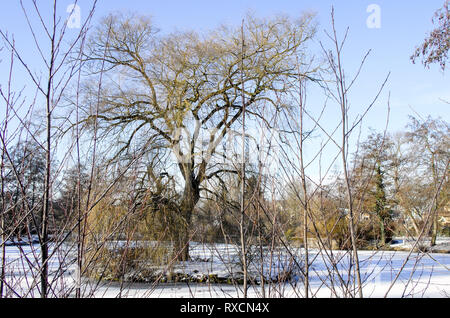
{"x":423,"y":275}
{"x":442,"y":243}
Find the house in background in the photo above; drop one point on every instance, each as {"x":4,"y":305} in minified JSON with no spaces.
{"x":444,"y":217}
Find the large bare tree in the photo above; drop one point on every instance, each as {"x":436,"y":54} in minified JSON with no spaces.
{"x":185,"y":83}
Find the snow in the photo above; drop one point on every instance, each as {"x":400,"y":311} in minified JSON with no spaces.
{"x":423,"y":275}
{"x":442,"y":243}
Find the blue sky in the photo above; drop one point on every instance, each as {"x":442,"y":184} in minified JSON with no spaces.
{"x":404,"y":25}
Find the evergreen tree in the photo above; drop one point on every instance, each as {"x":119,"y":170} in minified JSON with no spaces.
{"x":381,"y":207}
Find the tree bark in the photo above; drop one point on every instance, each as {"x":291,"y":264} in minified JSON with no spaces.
{"x":383,"y":232}
{"x":191,"y":196}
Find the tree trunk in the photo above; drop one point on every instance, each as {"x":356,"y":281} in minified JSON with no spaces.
{"x":191,"y":196}
{"x":434,"y":231}
{"x":3,"y":242}
{"x":383,"y":232}
{"x":436,"y":204}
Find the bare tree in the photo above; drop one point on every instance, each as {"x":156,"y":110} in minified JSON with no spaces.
{"x":186,"y":83}
{"x":50,"y":89}
{"x":340,"y":95}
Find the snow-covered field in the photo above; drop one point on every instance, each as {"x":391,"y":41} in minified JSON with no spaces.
{"x":423,"y":275}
